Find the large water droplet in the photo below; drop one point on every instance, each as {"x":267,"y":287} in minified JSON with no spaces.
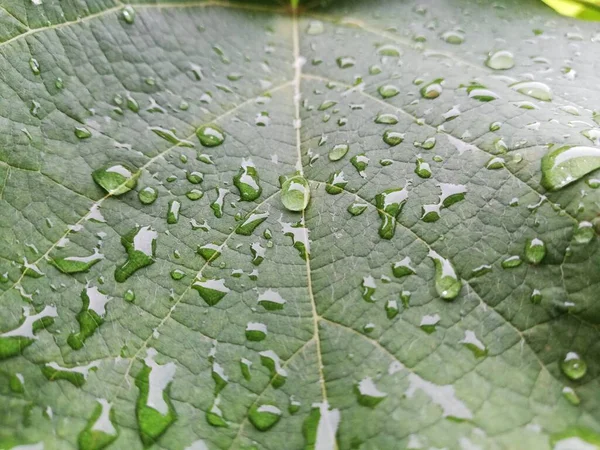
{"x":433,"y":89}
{"x":140,"y":244}
{"x":338,"y":152}
{"x":90,"y":317}
{"x":565,"y":165}
{"x":247,"y":182}
{"x":535,"y":250}
{"x":211,"y":290}
{"x":116,"y":179}
{"x":148,"y":195}
{"x":368,"y":394}
{"x":210,"y":135}
{"x":573,"y":366}
{"x":389,"y":204}
{"x":447,"y":283}
{"x":295,"y":193}
{"x":75,"y":264}
{"x":264,"y":416}
{"x":535,"y":89}
{"x":500,"y":60}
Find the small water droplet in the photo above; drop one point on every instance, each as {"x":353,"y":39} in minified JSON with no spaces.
{"x":345,"y":62}
{"x":511,"y":262}
{"x":423,"y":169}
{"x":386,"y":119}
{"x":128,"y":14}
{"x":535,"y":250}
{"x":573,"y":366}
{"x":368,"y":394}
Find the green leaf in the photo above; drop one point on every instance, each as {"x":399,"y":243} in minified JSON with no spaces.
{"x":318,"y":225}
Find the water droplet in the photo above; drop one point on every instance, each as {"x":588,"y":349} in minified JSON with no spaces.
{"x":148,"y":195}
{"x":264,"y":417}
{"x":129,"y":295}
{"x":169,"y":136}
{"x":511,"y":262}
{"x":34,"y":65}
{"x":101,"y":429}
{"x":495,"y":126}
{"x":295,"y":193}
{"x":209,"y":252}
{"x":194,"y":194}
{"x":535,"y":89}
{"x":154,"y":410}
{"x":13,"y":342}
{"x":116,"y":179}
{"x":388,"y":91}
{"x":535,"y":250}
{"x":90,"y":317}
{"x":345,"y":62}
{"x":568,"y":164}
{"x":128,"y":14}
{"x":500,"y":60}
{"x":432,"y":90}
{"x":368,"y":394}
{"x":572,"y":397}
{"x":210,"y":135}
{"x":423,"y":169}
{"x":338,"y":152}
{"x":386,"y":119}
{"x":132,"y":103}
{"x":326,"y":105}
{"x":256,"y":331}
{"x":217,"y":205}
{"x":536,"y":297}
{"x":194,"y":177}
{"x":455,"y":37}
{"x":211,"y":290}
{"x":177,"y":274}
{"x":481,"y":93}
{"x":357,"y":208}
{"x":76,"y":375}
{"x":271,"y":361}
{"x":403,"y":268}
{"x":573,"y":366}
{"x":388,"y":50}
{"x":336,"y":183}
{"x":82,"y":133}
{"x":76,"y":264}
{"x":140,"y":245}
{"x":481,"y":270}
{"x":368,"y":285}
{"x":584,"y":233}
{"x":392,"y":138}
{"x":447,"y":283}
{"x":173,"y":212}
{"x":271,"y":300}
{"x":474,"y":344}
{"x":251,"y":222}
{"x":495,"y":163}
{"x":427,"y":144}
{"x":247,"y":182}
{"x":429,"y":323}
{"x":389,"y":204}
{"x":360,"y":163}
